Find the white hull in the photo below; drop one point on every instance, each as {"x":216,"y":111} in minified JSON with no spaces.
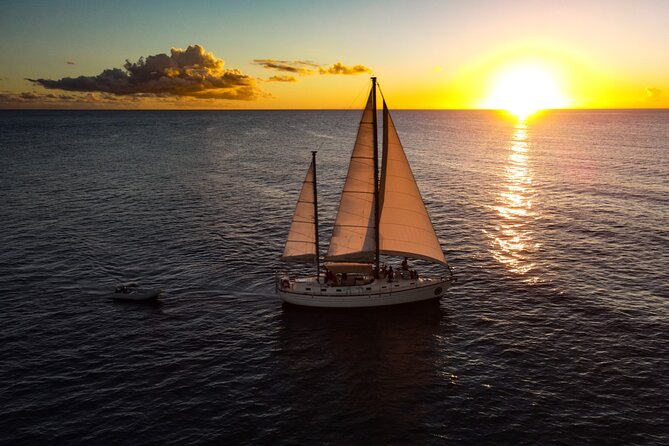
{"x":308,"y":292}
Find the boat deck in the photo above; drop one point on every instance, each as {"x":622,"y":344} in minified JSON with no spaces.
{"x":309,"y":285}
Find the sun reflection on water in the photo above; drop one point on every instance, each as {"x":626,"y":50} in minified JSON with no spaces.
{"x":512,"y":240}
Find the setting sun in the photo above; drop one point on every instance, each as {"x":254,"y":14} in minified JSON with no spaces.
{"x":525,"y":89}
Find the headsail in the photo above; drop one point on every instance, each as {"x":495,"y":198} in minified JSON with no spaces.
{"x":301,"y":243}
{"x":405,"y":227}
{"x":353,"y":233}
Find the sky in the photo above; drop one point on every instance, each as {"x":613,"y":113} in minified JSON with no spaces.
{"x":320,"y":54}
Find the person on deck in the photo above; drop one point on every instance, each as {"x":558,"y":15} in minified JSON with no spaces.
{"x":405,"y":264}
{"x":391,"y":274}
{"x":329,"y":277}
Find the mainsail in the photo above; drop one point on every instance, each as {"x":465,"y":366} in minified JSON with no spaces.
{"x":301,"y":243}
{"x":405,"y":228}
{"x":354,"y":232}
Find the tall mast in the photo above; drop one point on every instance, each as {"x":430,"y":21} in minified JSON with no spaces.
{"x":376,"y":178}
{"x":318,"y":269}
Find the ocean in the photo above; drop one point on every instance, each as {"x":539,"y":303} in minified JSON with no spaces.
{"x":555,"y":333}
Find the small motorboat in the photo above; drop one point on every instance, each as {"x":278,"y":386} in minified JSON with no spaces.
{"x":131,"y":292}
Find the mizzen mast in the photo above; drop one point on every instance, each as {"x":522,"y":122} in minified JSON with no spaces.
{"x":376,"y":179}
{"x":318,"y":267}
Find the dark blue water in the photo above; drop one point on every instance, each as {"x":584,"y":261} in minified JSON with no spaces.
{"x":557,"y":331}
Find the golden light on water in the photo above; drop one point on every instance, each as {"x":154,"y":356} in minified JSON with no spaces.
{"x":524,"y":89}
{"x":512,"y":240}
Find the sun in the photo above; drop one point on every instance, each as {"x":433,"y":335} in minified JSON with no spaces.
{"x":524,"y":89}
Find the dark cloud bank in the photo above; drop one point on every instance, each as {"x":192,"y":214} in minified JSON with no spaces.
{"x":191,"y":72}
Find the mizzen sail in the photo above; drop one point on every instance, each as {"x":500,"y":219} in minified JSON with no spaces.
{"x":301,"y":243}
{"x":354,"y":232}
{"x":405,"y":228}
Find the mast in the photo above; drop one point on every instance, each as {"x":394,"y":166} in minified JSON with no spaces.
{"x":318,"y":269}
{"x":376,"y":178}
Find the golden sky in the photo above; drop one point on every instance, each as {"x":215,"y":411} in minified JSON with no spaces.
{"x":520,"y":55}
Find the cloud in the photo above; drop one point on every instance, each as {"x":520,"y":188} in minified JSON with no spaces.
{"x":340,"y":68}
{"x":306,"y":68}
{"x":653,"y":94}
{"x":69,"y":62}
{"x":300,"y":67}
{"x":31,"y":96}
{"x":89,"y":100}
{"x":282,"y":78}
{"x":192,"y":72}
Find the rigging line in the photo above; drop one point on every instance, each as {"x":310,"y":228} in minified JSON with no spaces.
{"x":341,"y":119}
{"x":380,"y":91}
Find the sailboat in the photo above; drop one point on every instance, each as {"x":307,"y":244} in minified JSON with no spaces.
{"x":378,"y":215}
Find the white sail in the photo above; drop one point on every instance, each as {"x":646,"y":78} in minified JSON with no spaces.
{"x":353,"y":234}
{"x":301,"y":243}
{"x":405,"y":228}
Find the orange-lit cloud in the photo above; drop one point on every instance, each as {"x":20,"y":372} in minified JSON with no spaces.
{"x":191,"y":72}
{"x":653,"y":94}
{"x":303,"y":68}
{"x":97,"y":100}
{"x":340,"y":68}
{"x":282,"y":78}
{"x":30,"y":96}
{"x":306,"y":68}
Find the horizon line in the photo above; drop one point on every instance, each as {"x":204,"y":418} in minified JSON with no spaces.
{"x":328,"y":109}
